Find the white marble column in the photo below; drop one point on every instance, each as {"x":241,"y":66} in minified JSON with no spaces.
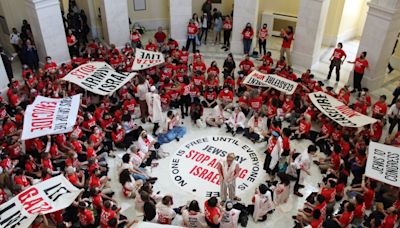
{"x":115,"y":20}
{"x":47,"y":26}
{"x":180,"y":12}
{"x":378,"y":38}
{"x":245,"y":11}
{"x":3,"y":80}
{"x":309,"y":32}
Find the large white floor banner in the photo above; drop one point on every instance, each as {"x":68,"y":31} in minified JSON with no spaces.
{"x":277,"y":82}
{"x":46,"y":197}
{"x":49,"y":116}
{"x":338,"y":111}
{"x":383,"y":163}
{"x":146,"y":59}
{"x":98,"y":77}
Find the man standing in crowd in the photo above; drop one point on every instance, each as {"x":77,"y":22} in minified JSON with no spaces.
{"x":7,"y":61}
{"x":15,"y":39}
{"x":288,"y":36}
{"x":302,"y":163}
{"x":228,"y":172}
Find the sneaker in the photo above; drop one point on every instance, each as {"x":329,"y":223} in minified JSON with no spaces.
{"x":237,"y":198}
{"x":223,"y":47}
{"x":177,"y":139}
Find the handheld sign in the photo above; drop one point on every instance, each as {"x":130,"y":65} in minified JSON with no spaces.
{"x":48,"y":116}
{"x":146,"y":59}
{"x":383,"y":163}
{"x":98,"y":77}
{"x":46,"y":197}
{"x":277,"y":82}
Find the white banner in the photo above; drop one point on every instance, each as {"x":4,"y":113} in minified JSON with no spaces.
{"x":98,"y":77}
{"x":46,"y":197}
{"x":277,"y":82}
{"x":338,"y":111}
{"x":146,"y":59}
{"x":383,"y":163}
{"x":49,"y":116}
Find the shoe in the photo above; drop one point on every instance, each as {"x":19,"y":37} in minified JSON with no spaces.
{"x":353,"y":91}
{"x":234,"y":133}
{"x":226,"y":49}
{"x":301,"y":186}
{"x":298,"y":194}
{"x":227,"y":131}
{"x":223,"y":47}
{"x":177,"y":139}
{"x":219,"y":126}
{"x":390,"y":70}
{"x":316,"y":162}
{"x":143,"y":121}
{"x":294,"y":217}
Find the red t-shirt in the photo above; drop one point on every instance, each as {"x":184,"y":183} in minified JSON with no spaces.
{"x":86,"y":217}
{"x":105,"y":216}
{"x":211,"y":212}
{"x":346,"y":218}
{"x":248,"y":34}
{"x":160,"y":37}
{"x":263,"y":33}
{"x":338,"y":53}
{"x":227,"y":25}
{"x":225,"y":96}
{"x":379,"y":108}
{"x":192,"y":29}
{"x":360,"y":65}
{"x":389,"y":221}
{"x":286,"y":43}
{"x":369,"y":198}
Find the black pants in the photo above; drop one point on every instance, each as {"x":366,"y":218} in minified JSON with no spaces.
{"x":250,"y":210}
{"x":297,"y":185}
{"x":207,"y":106}
{"x":155,"y":128}
{"x":262,"y":45}
{"x":185,"y":103}
{"x":211,"y":225}
{"x":357,"y":81}
{"x":251,"y":135}
{"x":204,"y":31}
{"x":335,"y":63}
{"x":393,"y":122}
{"x":193,"y":41}
{"x":227,"y":36}
{"x":238,"y":130}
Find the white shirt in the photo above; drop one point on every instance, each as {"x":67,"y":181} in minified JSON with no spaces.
{"x":14,"y":38}
{"x":142,"y":90}
{"x":394,"y":111}
{"x":303,"y":160}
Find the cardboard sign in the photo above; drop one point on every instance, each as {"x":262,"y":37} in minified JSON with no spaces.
{"x":98,"y":77}
{"x":46,"y":197}
{"x":146,"y":59}
{"x":193,"y":168}
{"x":49,"y":116}
{"x":383,"y":163}
{"x":277,"y":82}
{"x":338,"y":111}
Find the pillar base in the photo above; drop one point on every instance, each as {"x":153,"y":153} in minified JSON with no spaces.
{"x":372,"y":83}
{"x":304,"y":60}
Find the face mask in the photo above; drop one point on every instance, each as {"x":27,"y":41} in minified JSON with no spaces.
{"x":287,"y":99}
{"x":226,"y":91}
{"x":49,"y":61}
{"x":97,"y":131}
{"x":75,"y":156}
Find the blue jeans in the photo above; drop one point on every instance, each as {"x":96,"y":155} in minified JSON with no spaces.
{"x":247,"y":45}
{"x":137,"y":176}
{"x":176,"y":132}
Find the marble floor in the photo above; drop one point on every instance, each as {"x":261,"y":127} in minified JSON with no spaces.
{"x":282,"y":216}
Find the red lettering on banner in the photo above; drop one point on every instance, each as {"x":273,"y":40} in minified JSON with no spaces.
{"x":259,"y":76}
{"x":213,"y":163}
{"x":42,"y":115}
{"x":347,"y":111}
{"x":32,"y":202}
{"x":84,"y":71}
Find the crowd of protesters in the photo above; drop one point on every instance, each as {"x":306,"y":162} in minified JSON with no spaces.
{"x":184,"y":87}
